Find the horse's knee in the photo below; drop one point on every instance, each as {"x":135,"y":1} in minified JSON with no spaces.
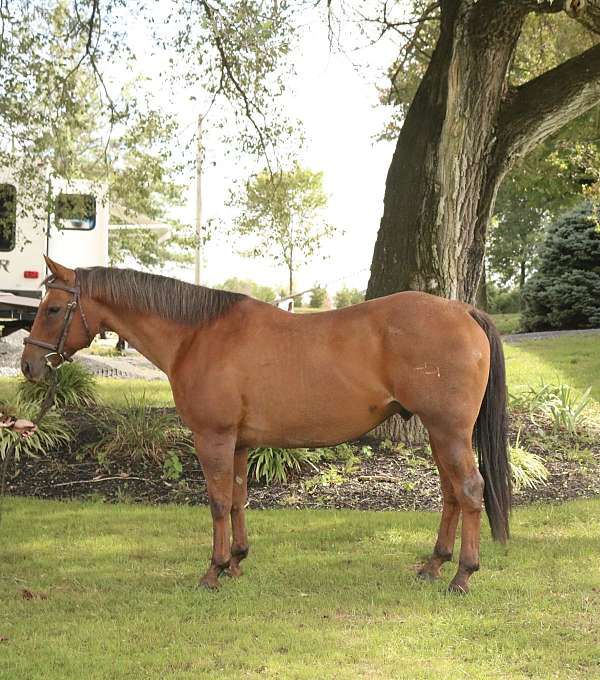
{"x":219,"y":508}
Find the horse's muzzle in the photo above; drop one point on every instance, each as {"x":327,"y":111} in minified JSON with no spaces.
{"x":35,"y":369}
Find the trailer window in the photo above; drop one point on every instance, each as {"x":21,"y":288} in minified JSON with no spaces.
{"x":75,"y":211}
{"x":8,"y":216}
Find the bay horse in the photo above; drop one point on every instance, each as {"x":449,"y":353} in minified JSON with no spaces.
{"x":246,"y":374}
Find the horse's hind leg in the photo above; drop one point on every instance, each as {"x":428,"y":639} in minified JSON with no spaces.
{"x":239,"y":545}
{"x":455,"y":454}
{"x":216,"y":454}
{"x":442,"y":551}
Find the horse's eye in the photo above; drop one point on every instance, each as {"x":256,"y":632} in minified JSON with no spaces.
{"x":53,"y":310}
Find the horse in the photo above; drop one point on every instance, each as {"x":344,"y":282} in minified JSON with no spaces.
{"x":246,"y":374}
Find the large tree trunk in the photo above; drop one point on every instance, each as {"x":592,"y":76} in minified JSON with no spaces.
{"x":443,"y":177}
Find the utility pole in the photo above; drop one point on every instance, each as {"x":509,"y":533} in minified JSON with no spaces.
{"x":199,"y":162}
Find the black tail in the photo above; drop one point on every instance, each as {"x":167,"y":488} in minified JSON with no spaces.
{"x":490,"y":435}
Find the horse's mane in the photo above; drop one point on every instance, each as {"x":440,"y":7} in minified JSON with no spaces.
{"x":169,"y":298}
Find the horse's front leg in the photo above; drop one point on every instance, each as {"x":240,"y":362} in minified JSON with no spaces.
{"x":215,"y":453}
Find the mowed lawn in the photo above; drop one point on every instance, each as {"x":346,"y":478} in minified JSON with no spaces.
{"x":573,"y":360}
{"x":326,"y":594}
{"x":113,"y":391}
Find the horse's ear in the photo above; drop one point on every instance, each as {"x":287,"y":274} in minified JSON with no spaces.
{"x":63,"y":273}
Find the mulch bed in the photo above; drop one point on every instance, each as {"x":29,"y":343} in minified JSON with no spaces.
{"x":385,"y":480}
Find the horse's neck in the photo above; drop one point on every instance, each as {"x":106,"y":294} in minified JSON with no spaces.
{"x":158,"y":339}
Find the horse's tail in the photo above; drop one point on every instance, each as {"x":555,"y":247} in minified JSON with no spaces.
{"x":490,"y":435}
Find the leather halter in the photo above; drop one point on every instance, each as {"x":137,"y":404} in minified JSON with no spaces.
{"x":58,"y":349}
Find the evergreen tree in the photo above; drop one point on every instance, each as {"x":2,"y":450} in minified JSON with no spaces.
{"x":565,"y":291}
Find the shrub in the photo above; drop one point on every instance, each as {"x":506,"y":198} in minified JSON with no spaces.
{"x":75,"y":387}
{"x":503,"y":300}
{"x":172,"y":467}
{"x":318,"y":296}
{"x":140,"y":432}
{"x":52,"y":433}
{"x":565,"y":291}
{"x":348,"y":296}
{"x":527,"y":469}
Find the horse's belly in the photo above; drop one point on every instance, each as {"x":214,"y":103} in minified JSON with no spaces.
{"x":314,"y":421}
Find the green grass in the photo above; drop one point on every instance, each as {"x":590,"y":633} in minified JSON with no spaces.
{"x":115,"y":392}
{"x":572,"y":360}
{"x":326,"y":594}
{"x":507,"y":323}
{"x":112,"y":391}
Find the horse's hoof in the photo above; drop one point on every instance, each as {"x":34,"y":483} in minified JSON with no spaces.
{"x":234,"y":571}
{"x":426,"y":575}
{"x":458,"y":588}
{"x":209,"y":583}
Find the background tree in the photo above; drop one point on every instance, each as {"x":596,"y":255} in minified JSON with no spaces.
{"x":318,"y":296}
{"x":348,"y":296}
{"x":527,"y":199}
{"x":142,"y":182}
{"x":555,"y":177}
{"x":565,"y":290}
{"x":480,"y":102}
{"x":282,"y":216}
{"x":57,"y":118}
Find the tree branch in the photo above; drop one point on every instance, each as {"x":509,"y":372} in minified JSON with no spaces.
{"x":586,"y":12}
{"x":543,"y":105}
{"x":227,"y":69}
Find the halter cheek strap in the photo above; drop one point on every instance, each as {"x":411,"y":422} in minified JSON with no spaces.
{"x":58,"y":348}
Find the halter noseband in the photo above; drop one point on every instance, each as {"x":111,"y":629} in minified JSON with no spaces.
{"x":58,"y":349}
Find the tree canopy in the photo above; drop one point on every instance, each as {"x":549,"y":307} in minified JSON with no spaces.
{"x":58,"y":119}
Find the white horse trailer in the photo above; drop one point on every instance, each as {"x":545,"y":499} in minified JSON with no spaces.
{"x":75,"y":234}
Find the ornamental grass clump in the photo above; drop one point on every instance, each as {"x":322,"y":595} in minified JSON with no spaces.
{"x":561,"y":405}
{"x":274,"y":465}
{"x":76,"y":387}
{"x":527,"y":469}
{"x":141,"y":433}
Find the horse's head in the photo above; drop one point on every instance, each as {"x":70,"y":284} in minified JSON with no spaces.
{"x":60,"y":327}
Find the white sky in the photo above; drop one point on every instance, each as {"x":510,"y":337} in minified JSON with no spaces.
{"x":340,"y":113}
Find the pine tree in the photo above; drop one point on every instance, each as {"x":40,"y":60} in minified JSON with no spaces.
{"x":565,"y":291}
